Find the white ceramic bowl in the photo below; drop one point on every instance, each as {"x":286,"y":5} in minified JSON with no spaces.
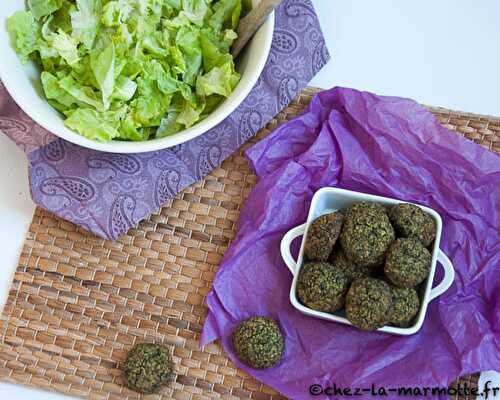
{"x":23,"y":84}
{"x":327,"y":200}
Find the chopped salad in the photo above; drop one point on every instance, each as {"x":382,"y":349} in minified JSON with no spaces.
{"x":131,"y":69}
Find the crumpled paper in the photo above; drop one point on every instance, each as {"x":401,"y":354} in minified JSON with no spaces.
{"x":386,"y":146}
{"x":108,"y":194}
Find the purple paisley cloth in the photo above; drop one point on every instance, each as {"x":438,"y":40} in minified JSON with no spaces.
{"x":109,"y":193}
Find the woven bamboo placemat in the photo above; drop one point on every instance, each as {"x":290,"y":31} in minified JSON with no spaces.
{"x":78,"y":303}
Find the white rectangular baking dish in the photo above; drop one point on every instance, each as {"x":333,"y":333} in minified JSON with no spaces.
{"x":327,"y":200}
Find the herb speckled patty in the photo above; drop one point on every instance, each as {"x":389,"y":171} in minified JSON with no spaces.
{"x":322,"y":235}
{"x":405,"y":305}
{"x":147,"y":367}
{"x":365,"y":206}
{"x":408,"y":262}
{"x":258,"y":342}
{"x":366,"y":234}
{"x":410,"y":221}
{"x":368,"y":303}
{"x":352,"y":271}
{"x":322,"y":287}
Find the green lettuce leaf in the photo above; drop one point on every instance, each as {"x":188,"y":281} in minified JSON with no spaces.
{"x":125,"y":89}
{"x":92,"y":124}
{"x":150,"y":105}
{"x":85,"y":21}
{"x":116,"y":12}
{"x":25,"y":33}
{"x":213,"y":56}
{"x":42,"y":8}
{"x":211,"y":103}
{"x":229,"y":37}
{"x":195,"y":11}
{"x":235,"y":16}
{"x":111,"y":14}
{"x":54,"y":91}
{"x":84,"y":94}
{"x":176,"y":60}
{"x":102,"y":64}
{"x":175,"y":4}
{"x":168,"y":124}
{"x":153,"y":45}
{"x":220,"y":80}
{"x":130,"y":131}
{"x":246,"y":6}
{"x":49,"y":57}
{"x":223,"y":14}
{"x":189,"y":43}
{"x":61,"y":19}
{"x":66,"y":46}
{"x":167,"y":84}
{"x":189,"y":116}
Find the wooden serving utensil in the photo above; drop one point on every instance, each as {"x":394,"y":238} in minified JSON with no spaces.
{"x":251,"y":22}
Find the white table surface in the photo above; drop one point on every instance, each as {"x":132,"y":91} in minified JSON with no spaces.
{"x":442,"y":53}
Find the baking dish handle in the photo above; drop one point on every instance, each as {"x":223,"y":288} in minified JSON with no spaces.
{"x":286,"y":242}
{"x":449,"y":275}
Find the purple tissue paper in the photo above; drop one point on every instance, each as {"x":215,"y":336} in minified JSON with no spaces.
{"x":386,"y":146}
{"x":109,"y":193}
